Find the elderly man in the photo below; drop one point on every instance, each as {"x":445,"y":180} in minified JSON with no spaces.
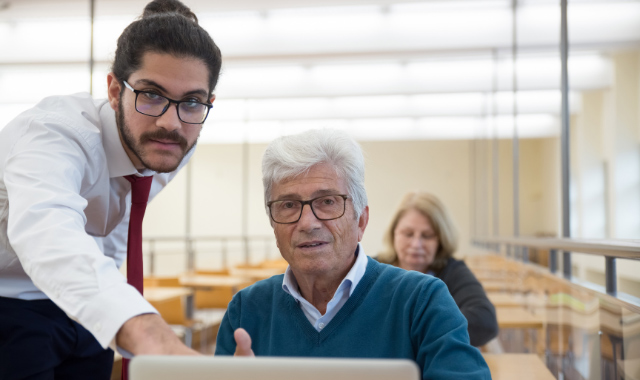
{"x":334,"y":301}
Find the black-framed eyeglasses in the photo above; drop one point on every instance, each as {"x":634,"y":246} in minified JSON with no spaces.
{"x":151,"y":104}
{"x":326,"y":207}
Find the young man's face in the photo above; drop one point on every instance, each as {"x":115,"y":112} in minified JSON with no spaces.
{"x":159,"y":143}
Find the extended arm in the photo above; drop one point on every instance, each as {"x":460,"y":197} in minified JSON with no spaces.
{"x":148,"y":334}
{"x":45,"y":173}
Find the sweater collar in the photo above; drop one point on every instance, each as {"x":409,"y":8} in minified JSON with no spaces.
{"x":290,"y":284}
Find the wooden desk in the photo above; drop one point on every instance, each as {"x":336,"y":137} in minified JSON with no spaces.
{"x":502,"y":286}
{"x":517,"y":367}
{"x":518,"y":318}
{"x":168,"y":302}
{"x":203,"y":281}
{"x":210,"y":282}
{"x":256,"y":274}
{"x":499,"y":299}
{"x":506,"y":299}
{"x":163,"y":294}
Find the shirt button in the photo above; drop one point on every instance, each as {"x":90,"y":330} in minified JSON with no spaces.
{"x":321,"y":325}
{"x":97,"y":327}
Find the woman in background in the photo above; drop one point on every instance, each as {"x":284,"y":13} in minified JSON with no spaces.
{"x":422,"y":237}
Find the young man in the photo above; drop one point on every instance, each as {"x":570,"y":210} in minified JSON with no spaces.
{"x":69,"y":169}
{"x":334,"y":301}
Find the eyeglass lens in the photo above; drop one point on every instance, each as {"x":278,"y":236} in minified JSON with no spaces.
{"x":155,"y":105}
{"x":327,"y":207}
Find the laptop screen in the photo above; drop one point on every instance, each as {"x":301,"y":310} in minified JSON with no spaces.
{"x":269,"y":368}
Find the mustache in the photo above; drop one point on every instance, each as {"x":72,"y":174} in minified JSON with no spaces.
{"x":301,"y":237}
{"x":162,"y":134}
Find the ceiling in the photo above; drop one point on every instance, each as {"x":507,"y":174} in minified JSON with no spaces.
{"x":430,"y":69}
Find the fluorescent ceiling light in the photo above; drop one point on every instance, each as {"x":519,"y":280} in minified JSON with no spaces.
{"x":434,"y":76}
{"x":29,"y":84}
{"x":416,"y":27}
{"x":390,"y":106}
{"x":449,"y":6}
{"x":439,"y":128}
{"x":45,"y":40}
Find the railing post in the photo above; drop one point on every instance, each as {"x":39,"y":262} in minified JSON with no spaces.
{"x":247,"y":255}
{"x":519,"y":251}
{"x":190,"y":255}
{"x":610,"y":275}
{"x":566,"y":264}
{"x":564,"y":135}
{"x":553,"y":260}
{"x":525,"y":254}
{"x":225,"y":263}
{"x":152,"y":259}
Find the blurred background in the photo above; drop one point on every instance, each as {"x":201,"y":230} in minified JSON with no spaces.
{"x":458,"y":98}
{"x":462,"y":99}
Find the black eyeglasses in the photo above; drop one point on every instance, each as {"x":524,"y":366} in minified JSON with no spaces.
{"x":151,"y":104}
{"x":326,"y":207}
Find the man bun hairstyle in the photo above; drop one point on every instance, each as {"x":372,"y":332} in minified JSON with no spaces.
{"x":167,"y":27}
{"x":168,"y":6}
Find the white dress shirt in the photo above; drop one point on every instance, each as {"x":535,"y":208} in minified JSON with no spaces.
{"x":342,"y":294}
{"x":64,"y":212}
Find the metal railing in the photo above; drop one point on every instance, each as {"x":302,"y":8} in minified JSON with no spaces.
{"x":609,"y":249}
{"x":190,"y":243}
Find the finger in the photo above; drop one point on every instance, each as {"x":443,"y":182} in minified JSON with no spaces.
{"x":243,"y":343}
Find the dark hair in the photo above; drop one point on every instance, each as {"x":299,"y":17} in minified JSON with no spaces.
{"x":166,"y":26}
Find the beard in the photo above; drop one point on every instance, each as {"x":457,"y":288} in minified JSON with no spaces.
{"x":137,"y":147}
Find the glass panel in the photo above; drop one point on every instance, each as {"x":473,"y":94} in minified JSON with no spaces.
{"x":629,"y":277}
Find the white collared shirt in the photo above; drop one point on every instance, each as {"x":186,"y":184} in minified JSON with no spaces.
{"x":64,"y":212}
{"x":342,"y":294}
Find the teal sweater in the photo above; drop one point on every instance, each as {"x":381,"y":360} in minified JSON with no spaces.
{"x":392,"y":313}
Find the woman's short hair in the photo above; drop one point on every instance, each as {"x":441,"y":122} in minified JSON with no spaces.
{"x":294,"y":155}
{"x":431,"y":207}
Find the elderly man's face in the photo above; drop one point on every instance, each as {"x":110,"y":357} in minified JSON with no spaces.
{"x":314,"y":247}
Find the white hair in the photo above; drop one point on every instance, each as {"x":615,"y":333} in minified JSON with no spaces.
{"x":293,"y":155}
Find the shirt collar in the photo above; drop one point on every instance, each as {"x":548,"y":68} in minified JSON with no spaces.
{"x":118,"y":161}
{"x":290,"y":284}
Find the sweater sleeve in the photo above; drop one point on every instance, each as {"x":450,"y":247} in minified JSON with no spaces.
{"x":473,"y":302}
{"x":440,"y":333}
{"x":225,"y":342}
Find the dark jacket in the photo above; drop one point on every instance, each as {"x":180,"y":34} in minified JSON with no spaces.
{"x":472,"y":301}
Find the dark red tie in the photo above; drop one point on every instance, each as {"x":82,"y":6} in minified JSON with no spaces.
{"x":140,"y":187}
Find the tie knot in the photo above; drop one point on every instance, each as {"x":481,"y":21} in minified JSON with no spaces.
{"x":140,"y":187}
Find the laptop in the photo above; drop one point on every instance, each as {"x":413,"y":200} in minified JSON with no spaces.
{"x":269,"y":368}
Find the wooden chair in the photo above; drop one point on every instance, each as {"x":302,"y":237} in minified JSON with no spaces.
{"x":193,"y":331}
{"x":151,"y":281}
{"x":216,"y":298}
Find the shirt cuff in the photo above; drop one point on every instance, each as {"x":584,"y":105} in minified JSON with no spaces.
{"x":108,"y":310}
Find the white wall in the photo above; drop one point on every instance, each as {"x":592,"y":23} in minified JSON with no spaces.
{"x":392,"y":168}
